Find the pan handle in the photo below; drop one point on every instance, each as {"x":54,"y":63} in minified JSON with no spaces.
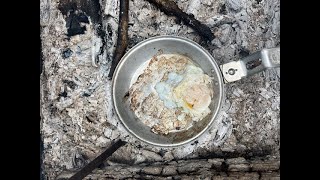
{"x":254,"y":63}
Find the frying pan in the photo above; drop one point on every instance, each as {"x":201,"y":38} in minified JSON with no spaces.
{"x":132,"y":63}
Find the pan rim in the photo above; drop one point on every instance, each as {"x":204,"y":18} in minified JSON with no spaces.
{"x":162,"y":37}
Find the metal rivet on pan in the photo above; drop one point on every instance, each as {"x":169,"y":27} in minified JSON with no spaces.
{"x":231,"y":71}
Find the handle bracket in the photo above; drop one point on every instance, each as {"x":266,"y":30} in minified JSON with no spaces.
{"x":252,"y":64}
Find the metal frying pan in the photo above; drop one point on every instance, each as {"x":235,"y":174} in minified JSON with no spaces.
{"x":128,"y":69}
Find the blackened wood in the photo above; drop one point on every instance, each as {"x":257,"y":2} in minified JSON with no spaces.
{"x":171,"y":8}
{"x":122,"y":41}
{"x":97,"y":161}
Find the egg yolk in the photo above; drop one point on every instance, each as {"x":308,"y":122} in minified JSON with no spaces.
{"x":189,"y":105}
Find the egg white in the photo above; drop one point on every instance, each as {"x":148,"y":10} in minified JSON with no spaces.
{"x":189,"y":91}
{"x":170,"y":94}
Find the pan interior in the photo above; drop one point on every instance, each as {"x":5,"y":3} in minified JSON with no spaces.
{"x":132,"y":65}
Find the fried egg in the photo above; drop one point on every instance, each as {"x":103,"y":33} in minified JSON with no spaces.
{"x":193,"y":93}
{"x":171,"y":93}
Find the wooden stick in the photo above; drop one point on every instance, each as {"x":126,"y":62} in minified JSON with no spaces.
{"x":97,"y":161}
{"x":122,"y":41}
{"x":171,"y":8}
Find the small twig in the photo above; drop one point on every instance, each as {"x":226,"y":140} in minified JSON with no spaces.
{"x":171,"y":8}
{"x":97,"y":161}
{"x":122,"y":41}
